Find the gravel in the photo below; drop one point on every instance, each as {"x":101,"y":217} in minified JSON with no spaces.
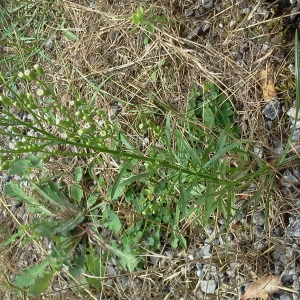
{"x":272,"y":109}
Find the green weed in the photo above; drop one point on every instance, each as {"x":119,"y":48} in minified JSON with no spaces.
{"x":188,"y":171}
{"x":149,"y":20}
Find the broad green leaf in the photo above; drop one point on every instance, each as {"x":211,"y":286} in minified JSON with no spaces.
{"x":126,"y":259}
{"x":45,"y":228}
{"x":91,"y":168}
{"x":91,"y":200}
{"x":29,"y":276}
{"x":138,"y":17}
{"x":174,"y":240}
{"x":20,"y":167}
{"x":150,"y":27}
{"x":70,"y":35}
{"x":78,"y":173}
{"x":112,"y":222}
{"x":140,"y":10}
{"x":40,"y":284}
{"x":35,"y":161}
{"x":76,"y":193}
{"x":125,"y":141}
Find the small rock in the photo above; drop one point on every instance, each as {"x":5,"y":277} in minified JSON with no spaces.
{"x":207,"y":3}
{"x":246,"y":10}
{"x":258,"y":218}
{"x":292,"y":113}
{"x":291,"y":68}
{"x":188,"y":12}
{"x":232,"y":23}
{"x":294,"y":229}
{"x":263,"y":12}
{"x":286,"y":297}
{"x":277,"y":146}
{"x":259,"y":231}
{"x":205,"y":251}
{"x":191,"y":257}
{"x":287,"y":279}
{"x":208,"y":286}
{"x":244,"y":47}
{"x":200,"y":273}
{"x":205,"y":27}
{"x":258,"y":150}
{"x":265,"y":47}
{"x":289,"y":178}
{"x":272,"y":109}
{"x":236,"y":55}
{"x":194,"y":33}
{"x":296,"y":135}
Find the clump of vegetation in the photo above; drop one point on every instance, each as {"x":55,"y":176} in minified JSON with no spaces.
{"x":140,"y":181}
{"x":186,"y":173}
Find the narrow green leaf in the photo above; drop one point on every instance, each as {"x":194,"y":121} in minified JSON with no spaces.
{"x":220,"y":153}
{"x":123,"y":171}
{"x":13,"y":191}
{"x":128,"y":181}
{"x":70,"y":224}
{"x":51,"y":193}
{"x":168,"y":130}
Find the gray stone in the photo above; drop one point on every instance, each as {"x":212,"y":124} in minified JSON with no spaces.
{"x":246,"y":10}
{"x":207,"y":3}
{"x":200,"y":273}
{"x":244,"y":47}
{"x":208,"y":286}
{"x":296,"y":135}
{"x":188,"y":12}
{"x":204,"y":251}
{"x":232,"y":23}
{"x":263,"y":13}
{"x":258,"y":218}
{"x":272,"y":109}
{"x":294,"y":228}
{"x":289,"y":178}
{"x":205,"y":27}
{"x":293,"y":114}
{"x":194,"y":33}
{"x":236,"y":55}
{"x":286,"y":297}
